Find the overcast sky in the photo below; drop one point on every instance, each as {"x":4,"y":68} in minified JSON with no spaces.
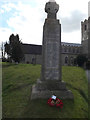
{"x":26,"y":18}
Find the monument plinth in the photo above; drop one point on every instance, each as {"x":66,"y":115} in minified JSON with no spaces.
{"x":50,"y":82}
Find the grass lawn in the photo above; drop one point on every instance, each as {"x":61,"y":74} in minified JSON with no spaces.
{"x":17,"y":82}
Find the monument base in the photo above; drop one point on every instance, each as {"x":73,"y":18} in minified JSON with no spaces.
{"x":44,"y":90}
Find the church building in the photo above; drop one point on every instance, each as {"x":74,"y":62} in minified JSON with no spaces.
{"x":33,"y":53}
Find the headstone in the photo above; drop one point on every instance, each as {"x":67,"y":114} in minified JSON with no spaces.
{"x":50,"y":82}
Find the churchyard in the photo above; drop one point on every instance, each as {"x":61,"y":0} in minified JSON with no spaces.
{"x":26,"y":96}
{"x":17,"y":81}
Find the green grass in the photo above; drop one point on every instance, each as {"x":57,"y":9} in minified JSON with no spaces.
{"x":17,"y":82}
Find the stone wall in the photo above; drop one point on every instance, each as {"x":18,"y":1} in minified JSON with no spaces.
{"x":85,"y":47}
{"x":33,"y":59}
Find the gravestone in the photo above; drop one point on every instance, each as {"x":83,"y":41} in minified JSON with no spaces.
{"x":50,"y":82}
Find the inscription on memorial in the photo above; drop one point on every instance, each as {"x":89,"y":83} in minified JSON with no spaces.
{"x":52,"y":52}
{"x":52,"y":74}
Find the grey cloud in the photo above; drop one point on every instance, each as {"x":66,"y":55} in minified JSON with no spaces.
{"x":72,"y":23}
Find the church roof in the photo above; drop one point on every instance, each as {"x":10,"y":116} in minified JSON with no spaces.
{"x":37,"y":49}
{"x":32,"y":49}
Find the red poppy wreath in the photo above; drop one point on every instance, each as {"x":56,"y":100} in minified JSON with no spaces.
{"x":54,"y":101}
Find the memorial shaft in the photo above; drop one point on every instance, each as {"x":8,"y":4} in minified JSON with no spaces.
{"x":51,"y":49}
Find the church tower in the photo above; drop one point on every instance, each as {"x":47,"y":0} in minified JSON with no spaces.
{"x":85,"y":34}
{"x":84,"y":37}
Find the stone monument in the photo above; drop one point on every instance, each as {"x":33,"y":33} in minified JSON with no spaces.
{"x":50,"y":82}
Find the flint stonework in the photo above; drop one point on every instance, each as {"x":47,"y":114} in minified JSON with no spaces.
{"x":50,"y":82}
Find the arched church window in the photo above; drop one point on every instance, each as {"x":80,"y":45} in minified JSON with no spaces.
{"x":85,"y":27}
{"x":66,"y":60}
{"x":75,"y":61}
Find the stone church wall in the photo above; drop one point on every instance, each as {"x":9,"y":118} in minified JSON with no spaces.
{"x":32,"y":58}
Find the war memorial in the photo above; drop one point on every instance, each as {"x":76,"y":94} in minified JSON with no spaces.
{"x":51,"y":82}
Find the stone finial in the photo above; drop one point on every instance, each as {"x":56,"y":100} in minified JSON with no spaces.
{"x":51,"y":8}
